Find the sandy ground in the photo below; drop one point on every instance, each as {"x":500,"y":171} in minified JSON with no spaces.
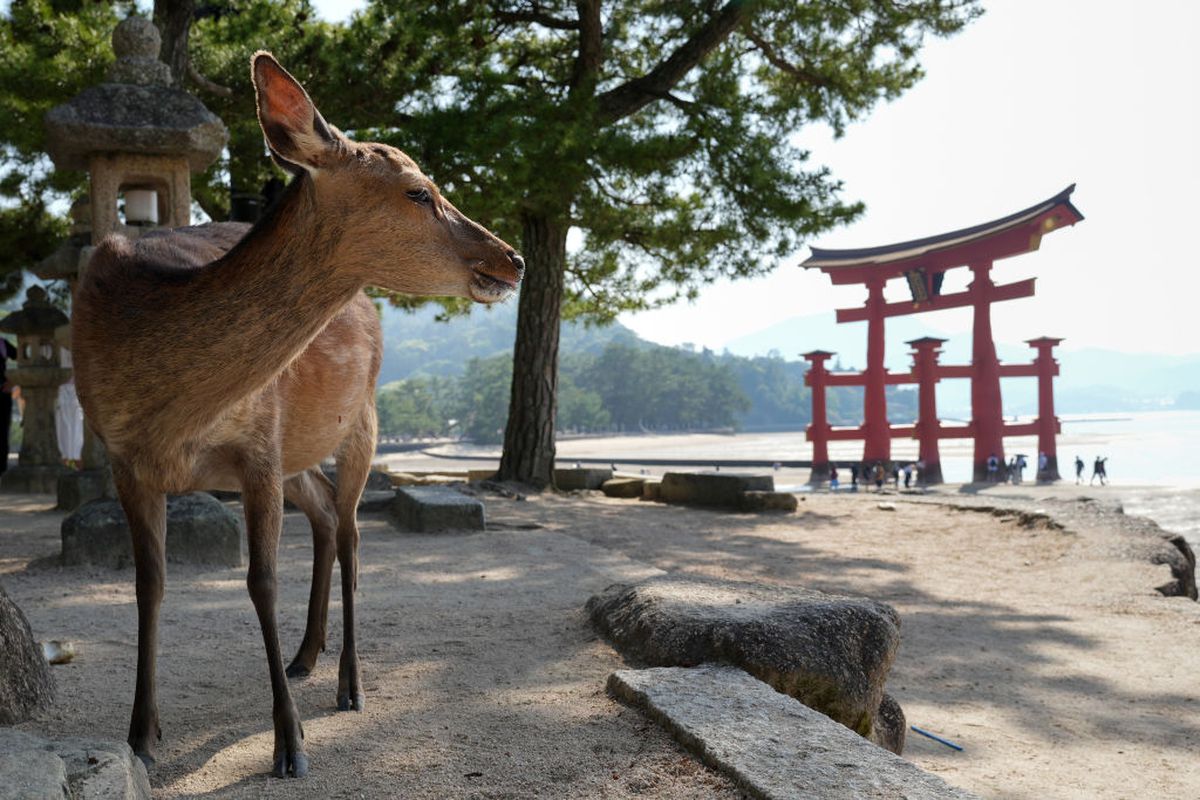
{"x":1046,"y":655}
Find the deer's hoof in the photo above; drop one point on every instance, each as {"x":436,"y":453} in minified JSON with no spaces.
{"x":291,"y":765}
{"x":298,"y":670}
{"x":349,"y":702}
{"x":147,"y":758}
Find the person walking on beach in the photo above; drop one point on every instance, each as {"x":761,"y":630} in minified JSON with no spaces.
{"x":880,"y":476}
{"x":993,"y":468}
{"x":1098,"y":471}
{"x":1078,"y":470}
{"x":854,"y":477}
{"x":833,"y":478}
{"x":908,"y":471}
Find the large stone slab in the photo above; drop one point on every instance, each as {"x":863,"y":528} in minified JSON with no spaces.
{"x":773,"y":746}
{"x":377,"y":480}
{"x":768,"y":501}
{"x":25,"y":683}
{"x":830,"y":652}
{"x":426,"y":509}
{"x":623,"y":487}
{"x":718,"y":489}
{"x":570,"y":480}
{"x":74,"y":769}
{"x":200,"y":530}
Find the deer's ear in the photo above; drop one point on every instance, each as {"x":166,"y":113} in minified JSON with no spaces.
{"x":298,"y":136}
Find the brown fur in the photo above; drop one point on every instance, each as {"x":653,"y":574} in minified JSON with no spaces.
{"x":222,"y":357}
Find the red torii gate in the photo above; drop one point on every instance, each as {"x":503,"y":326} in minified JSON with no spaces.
{"x":923,"y":264}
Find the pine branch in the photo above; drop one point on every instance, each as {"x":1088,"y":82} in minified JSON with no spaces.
{"x":632,"y":96}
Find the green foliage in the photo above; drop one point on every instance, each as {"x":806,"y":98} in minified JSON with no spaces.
{"x":49,"y":51}
{"x":417,"y":407}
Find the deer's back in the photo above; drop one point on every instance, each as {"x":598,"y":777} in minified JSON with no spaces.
{"x":140,"y":327}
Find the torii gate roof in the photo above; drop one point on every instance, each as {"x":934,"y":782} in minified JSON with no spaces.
{"x":1014,"y":234}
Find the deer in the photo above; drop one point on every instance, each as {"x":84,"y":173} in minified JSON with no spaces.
{"x":225,"y":356}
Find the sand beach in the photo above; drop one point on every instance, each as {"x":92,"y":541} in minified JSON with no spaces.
{"x":1044,"y":651}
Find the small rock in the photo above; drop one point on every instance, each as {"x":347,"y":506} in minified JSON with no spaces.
{"x":886,"y":506}
{"x":57,"y":652}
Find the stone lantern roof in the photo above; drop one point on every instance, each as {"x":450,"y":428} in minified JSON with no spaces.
{"x":135,"y":110}
{"x":36,"y":316}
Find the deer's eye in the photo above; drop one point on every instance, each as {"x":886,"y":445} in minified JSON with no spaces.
{"x":421,"y":196}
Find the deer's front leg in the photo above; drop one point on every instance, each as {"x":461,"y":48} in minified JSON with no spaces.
{"x":262,"y":496}
{"x":146,"y":512}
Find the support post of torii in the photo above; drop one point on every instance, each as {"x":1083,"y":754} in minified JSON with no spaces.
{"x":925,"y":367}
{"x":818,"y":429}
{"x":987,"y":413}
{"x":1048,"y":425}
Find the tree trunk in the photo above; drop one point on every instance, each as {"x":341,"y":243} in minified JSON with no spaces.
{"x":174,"y":21}
{"x":529,"y":435}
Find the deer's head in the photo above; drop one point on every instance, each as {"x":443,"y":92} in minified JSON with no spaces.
{"x":398,"y":229}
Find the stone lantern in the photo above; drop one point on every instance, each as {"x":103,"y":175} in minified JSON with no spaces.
{"x":39,"y":374}
{"x":139,"y":139}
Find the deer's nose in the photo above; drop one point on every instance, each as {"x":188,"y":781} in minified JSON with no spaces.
{"x":517,"y":261}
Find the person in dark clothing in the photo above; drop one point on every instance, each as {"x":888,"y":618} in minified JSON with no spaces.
{"x":1098,"y":471}
{"x":6,"y":401}
{"x":854,"y":477}
{"x":1078,"y":469}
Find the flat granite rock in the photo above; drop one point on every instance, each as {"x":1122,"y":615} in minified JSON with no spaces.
{"x":772,"y":746}
{"x":74,"y":769}
{"x":200,"y":530}
{"x":623,"y":487}
{"x":830,"y":652}
{"x":715,"y":489}
{"x":426,"y":509}
{"x":581,"y":478}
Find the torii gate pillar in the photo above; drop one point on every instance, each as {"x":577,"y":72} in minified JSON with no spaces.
{"x":818,"y":429}
{"x":1047,"y":424}
{"x":925,"y":364}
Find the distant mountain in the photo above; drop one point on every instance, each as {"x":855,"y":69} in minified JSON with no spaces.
{"x":416,"y":343}
{"x":1090,"y":380}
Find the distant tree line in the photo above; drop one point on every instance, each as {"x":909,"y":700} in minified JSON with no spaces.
{"x":626,"y":388}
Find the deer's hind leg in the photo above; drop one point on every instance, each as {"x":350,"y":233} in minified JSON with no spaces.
{"x":353,"y":466}
{"x":312,"y":493}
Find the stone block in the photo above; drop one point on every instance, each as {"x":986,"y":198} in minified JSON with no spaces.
{"x":476,"y":475}
{"x":374,"y":501}
{"x":200,"y":530}
{"x":75,"y":768}
{"x":830,"y":652}
{"x":25,"y":683}
{"x":31,"y":479}
{"x":424,"y":509}
{"x":718,"y":489}
{"x":79,"y":487}
{"x":652,"y":491}
{"x":769,"y":501}
{"x":377,"y":479}
{"x":571,"y":480}
{"x":623,"y":487}
{"x":769,"y":744}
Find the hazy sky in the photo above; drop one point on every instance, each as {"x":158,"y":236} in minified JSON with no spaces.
{"x":1034,"y":96}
